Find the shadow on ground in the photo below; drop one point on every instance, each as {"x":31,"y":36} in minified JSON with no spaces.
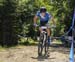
{"x":41,"y":58}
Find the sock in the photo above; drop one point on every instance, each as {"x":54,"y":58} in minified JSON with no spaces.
{"x":48,"y":40}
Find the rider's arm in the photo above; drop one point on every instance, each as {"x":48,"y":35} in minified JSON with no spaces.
{"x":35,"y":19}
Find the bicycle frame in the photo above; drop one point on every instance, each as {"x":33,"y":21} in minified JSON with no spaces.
{"x":43,"y":44}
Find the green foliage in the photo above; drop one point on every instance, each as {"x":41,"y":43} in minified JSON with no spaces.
{"x":18,"y":16}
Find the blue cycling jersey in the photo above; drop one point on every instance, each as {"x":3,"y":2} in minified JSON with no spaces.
{"x":43,"y":18}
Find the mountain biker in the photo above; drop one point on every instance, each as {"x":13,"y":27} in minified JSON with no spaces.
{"x":44,"y":19}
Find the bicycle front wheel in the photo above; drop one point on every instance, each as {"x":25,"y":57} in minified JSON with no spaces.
{"x":40,"y":45}
{"x":46,"y":45}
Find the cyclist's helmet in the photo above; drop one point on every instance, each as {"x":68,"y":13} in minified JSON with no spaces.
{"x":43,"y":9}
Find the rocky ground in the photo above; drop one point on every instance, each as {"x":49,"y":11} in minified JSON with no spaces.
{"x":29,"y":54}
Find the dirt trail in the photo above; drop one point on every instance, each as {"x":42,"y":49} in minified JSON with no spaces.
{"x":29,"y":54}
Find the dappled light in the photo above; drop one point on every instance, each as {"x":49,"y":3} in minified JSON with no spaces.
{"x":19,"y":38}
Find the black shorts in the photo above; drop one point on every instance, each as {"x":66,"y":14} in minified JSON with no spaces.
{"x":44,"y":23}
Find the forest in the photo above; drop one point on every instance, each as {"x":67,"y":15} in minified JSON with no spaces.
{"x":16,"y":19}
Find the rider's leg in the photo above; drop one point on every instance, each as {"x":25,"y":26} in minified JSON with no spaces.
{"x":40,"y":29}
{"x":49,"y":33}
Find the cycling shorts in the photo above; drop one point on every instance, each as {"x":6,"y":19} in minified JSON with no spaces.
{"x":44,"y":23}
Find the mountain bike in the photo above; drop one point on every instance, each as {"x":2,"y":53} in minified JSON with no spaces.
{"x":43,"y":44}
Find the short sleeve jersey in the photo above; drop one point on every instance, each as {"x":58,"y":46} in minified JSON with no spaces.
{"x":44,"y":18}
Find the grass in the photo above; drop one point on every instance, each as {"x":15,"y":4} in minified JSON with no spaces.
{"x":29,"y":41}
{"x":57,"y":42}
{"x":2,"y":48}
{"x":25,"y":42}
